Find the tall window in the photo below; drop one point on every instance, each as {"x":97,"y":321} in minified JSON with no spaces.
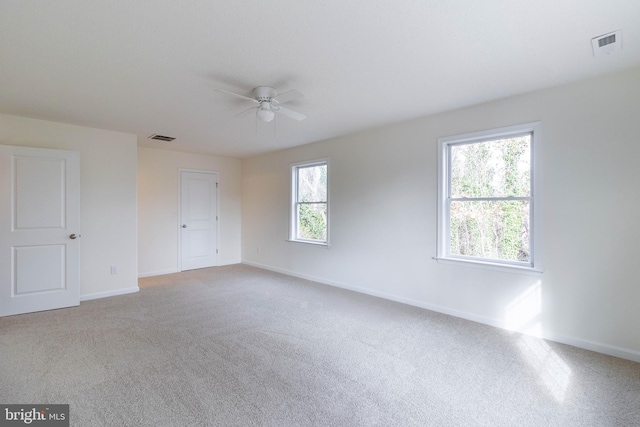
{"x":310,"y":202}
{"x":487,"y":206}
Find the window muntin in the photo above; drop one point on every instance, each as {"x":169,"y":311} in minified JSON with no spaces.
{"x":310,"y":207}
{"x":487,"y":197}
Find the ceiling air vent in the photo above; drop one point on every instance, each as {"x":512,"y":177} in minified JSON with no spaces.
{"x":607,"y":43}
{"x":161,"y":137}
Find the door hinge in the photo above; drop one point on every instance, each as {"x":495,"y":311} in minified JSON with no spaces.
{"x":216,"y":217}
{"x":216,"y":251}
{"x":216,"y":185}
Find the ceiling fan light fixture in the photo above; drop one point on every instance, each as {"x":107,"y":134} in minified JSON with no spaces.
{"x":265,"y":113}
{"x":267,"y":102}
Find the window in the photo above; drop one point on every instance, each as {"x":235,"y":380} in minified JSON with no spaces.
{"x":488,"y":214}
{"x":310,"y":202}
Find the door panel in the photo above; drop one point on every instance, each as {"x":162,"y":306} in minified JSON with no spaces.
{"x":200,"y":243}
{"x":39,"y":193}
{"x":48,"y":276}
{"x":198,"y":213}
{"x":39,"y":211}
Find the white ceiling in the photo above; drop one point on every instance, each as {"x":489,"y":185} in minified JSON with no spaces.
{"x":150,"y":66}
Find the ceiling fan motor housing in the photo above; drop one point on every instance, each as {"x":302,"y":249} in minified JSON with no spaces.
{"x":264,"y":93}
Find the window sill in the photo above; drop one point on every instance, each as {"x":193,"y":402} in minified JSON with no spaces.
{"x":310,"y":243}
{"x":490,"y":266}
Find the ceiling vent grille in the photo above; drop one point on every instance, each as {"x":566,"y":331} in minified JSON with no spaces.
{"x":161,"y":137}
{"x":607,"y":43}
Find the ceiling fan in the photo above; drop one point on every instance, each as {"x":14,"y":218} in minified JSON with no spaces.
{"x":269,"y":103}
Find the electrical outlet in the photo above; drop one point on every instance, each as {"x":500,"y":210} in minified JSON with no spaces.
{"x":258,"y":250}
{"x":114,"y":269}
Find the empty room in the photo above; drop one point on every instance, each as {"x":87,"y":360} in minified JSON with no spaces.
{"x":410,"y":213}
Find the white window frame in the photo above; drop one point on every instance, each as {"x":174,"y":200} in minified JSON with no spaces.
{"x":293,"y":211}
{"x":534,"y":266}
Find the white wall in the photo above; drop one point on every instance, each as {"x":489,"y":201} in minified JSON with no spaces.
{"x":383,"y":216}
{"x":107,"y":197}
{"x":158,"y":180}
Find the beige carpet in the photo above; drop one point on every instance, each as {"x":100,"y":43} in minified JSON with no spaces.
{"x":239,"y":346}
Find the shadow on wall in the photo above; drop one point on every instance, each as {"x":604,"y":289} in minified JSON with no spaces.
{"x":523,"y":314}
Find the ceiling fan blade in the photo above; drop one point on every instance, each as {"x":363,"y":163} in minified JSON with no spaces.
{"x":246,"y":98}
{"x":289,"y":95}
{"x":246,"y":111}
{"x":291,"y":114}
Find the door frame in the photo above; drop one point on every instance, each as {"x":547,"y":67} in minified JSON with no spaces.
{"x":179,"y":223}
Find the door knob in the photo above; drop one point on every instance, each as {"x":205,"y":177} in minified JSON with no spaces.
{"x":73,"y":236}
{"x":184,"y":225}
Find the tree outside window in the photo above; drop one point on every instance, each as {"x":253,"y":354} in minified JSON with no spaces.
{"x":310,"y":202}
{"x":489,"y":200}
{"x":487,"y":196}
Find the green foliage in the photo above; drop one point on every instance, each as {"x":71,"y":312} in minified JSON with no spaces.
{"x":312,"y":222}
{"x":312,"y":202}
{"x":495,"y":229}
{"x":312,"y":183}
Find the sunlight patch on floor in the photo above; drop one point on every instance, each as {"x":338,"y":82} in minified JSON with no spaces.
{"x":554,"y":373}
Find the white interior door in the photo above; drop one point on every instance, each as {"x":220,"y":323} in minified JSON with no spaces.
{"x":39,"y":226}
{"x":198,"y":219}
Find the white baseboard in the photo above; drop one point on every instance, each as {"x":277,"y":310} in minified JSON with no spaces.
{"x":611,"y":350}
{"x":106,"y":294}
{"x":157,"y":273}
{"x":175,"y":270}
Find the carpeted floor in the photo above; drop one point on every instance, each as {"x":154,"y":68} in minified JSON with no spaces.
{"x":239,"y":346}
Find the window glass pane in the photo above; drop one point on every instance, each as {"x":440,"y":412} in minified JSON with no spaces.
{"x":490,"y":229}
{"x":498,"y":168}
{"x":312,"y":183}
{"x":312,"y":221}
